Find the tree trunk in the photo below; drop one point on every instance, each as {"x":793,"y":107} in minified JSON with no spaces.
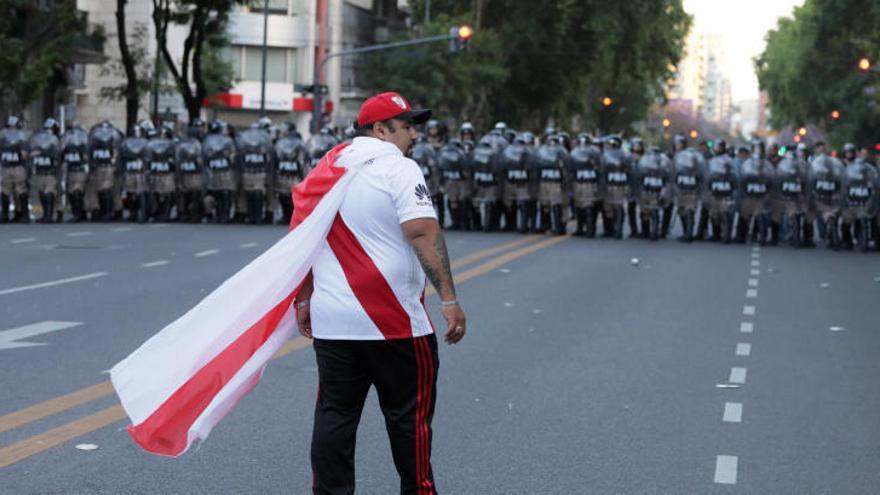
{"x":132,"y":95}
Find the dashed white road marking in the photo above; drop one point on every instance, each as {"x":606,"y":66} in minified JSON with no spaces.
{"x":756,"y":255}
{"x":733,"y":412}
{"x":748,"y":310}
{"x":737,"y":375}
{"x":752,"y":293}
{"x":746,"y":327}
{"x":209,"y":252}
{"x":79,"y":234}
{"x":753,"y":282}
{"x":120,"y":229}
{"x":8,"y":337}
{"x":249,"y":245}
{"x":155,"y":263}
{"x":725,"y":469}
{"x":54,"y":282}
{"x":23,"y":240}
{"x":158,"y":225}
{"x":754,"y":272}
{"x":756,"y":263}
{"x":743,"y":349}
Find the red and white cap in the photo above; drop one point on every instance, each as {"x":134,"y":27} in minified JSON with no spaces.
{"x":389,"y":105}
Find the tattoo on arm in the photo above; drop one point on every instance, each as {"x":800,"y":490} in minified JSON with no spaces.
{"x":437,"y":270}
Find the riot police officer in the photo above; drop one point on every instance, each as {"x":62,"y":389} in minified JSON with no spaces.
{"x":434,"y":133}
{"x":424,"y":155}
{"x":518,"y":175}
{"x":687,"y":184}
{"x":721,"y":191}
{"x":318,"y":145}
{"x":45,"y":159}
{"x":584,"y":167}
{"x":484,"y":167}
{"x":218,"y":152}
{"x":637,"y":151}
{"x":13,"y":165}
{"x":756,"y":183}
{"x":188,"y":158}
{"x":162,"y":175}
{"x":134,"y":162}
{"x":290,"y":165}
{"x":826,"y":184}
{"x":75,"y":158}
{"x":104,"y":140}
{"x":790,"y":193}
{"x":451,"y":164}
{"x":254,"y":150}
{"x":616,"y":179}
{"x":652,"y":173}
{"x":550,"y":164}
{"x":860,"y":186}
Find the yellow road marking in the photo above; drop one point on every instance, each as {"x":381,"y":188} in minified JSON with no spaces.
{"x":54,"y":406}
{"x":485,"y":253}
{"x":31,"y":446}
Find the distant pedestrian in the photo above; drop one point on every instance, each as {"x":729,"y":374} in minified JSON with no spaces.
{"x":364,"y":302}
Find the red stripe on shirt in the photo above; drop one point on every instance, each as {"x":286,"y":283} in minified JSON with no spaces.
{"x":368,"y":284}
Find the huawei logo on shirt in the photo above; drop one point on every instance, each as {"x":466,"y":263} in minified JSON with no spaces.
{"x":422,"y":194}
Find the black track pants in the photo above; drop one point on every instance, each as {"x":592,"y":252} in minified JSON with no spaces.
{"x":404,"y":372}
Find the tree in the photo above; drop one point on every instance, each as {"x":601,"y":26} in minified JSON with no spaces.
{"x":206,"y":21}
{"x":809,"y":69}
{"x":547,"y":59}
{"x":36,"y":43}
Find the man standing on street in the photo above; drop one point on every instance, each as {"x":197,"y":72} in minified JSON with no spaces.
{"x":364,"y":305}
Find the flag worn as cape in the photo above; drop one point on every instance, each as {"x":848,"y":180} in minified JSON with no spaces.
{"x":182,"y":381}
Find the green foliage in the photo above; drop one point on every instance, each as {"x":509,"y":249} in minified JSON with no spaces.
{"x":35,"y":46}
{"x":542,"y":59}
{"x":810,"y":68}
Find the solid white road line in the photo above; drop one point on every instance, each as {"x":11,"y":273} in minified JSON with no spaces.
{"x":158,"y":225}
{"x":249,"y":245}
{"x":155,"y":263}
{"x":23,"y":240}
{"x":737,"y":375}
{"x":754,"y":272}
{"x":756,"y":263}
{"x":54,"y":282}
{"x":120,"y":229}
{"x":752,"y":293}
{"x":743,"y":349}
{"x":746,"y":327}
{"x":79,"y":234}
{"x":207,"y":253}
{"x":8,"y":337}
{"x":733,"y":412}
{"x":753,"y":282}
{"x":748,"y":310}
{"x":725,"y":469}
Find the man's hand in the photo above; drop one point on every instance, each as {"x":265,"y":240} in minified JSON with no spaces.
{"x":304,"y":320}
{"x":455,"y":323}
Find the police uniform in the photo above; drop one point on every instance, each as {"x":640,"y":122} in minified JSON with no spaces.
{"x":75,"y":159}
{"x":584,"y":168}
{"x":45,"y":159}
{"x":13,"y":166}
{"x":290,"y":156}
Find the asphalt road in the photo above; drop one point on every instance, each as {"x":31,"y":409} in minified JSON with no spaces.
{"x":701,"y":369}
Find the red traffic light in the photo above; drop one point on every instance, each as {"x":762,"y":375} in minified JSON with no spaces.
{"x":877,"y":147}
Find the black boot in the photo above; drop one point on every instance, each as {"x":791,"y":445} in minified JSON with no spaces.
{"x":646,"y":226}
{"x":49,"y":208}
{"x":761,"y":229}
{"x":633,"y":220}
{"x":774,"y":233}
{"x":44,"y":204}
{"x":107,"y":215}
{"x":4,"y":208}
{"x":531,"y":216}
{"x":796,"y":238}
{"x":654,"y":225}
{"x":486,"y":223}
{"x":846,"y":238}
{"x":687,"y":227}
{"x":864,"y":233}
{"x":591,"y":213}
{"x":832,"y":234}
{"x":807,"y":238}
{"x":618,"y":222}
{"x":667,"y":219}
{"x":509,"y":217}
{"x":715,"y":223}
{"x":545,"y":220}
{"x":742,"y":229}
{"x":558,"y":226}
{"x":607,"y":223}
{"x":580,"y":217}
{"x":22,"y":211}
{"x":286,"y":203}
{"x":703,"y":225}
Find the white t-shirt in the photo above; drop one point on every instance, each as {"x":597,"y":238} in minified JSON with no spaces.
{"x":369,"y":284}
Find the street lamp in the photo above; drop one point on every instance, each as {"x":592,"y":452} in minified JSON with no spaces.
{"x":667,"y":123}
{"x":835,"y":114}
{"x":864,"y":64}
{"x":802,"y":131}
{"x":694,"y":134}
{"x":606,"y":102}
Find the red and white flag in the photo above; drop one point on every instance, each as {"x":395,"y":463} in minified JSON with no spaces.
{"x":182,"y":381}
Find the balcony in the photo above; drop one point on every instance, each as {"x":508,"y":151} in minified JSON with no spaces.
{"x":283,"y":31}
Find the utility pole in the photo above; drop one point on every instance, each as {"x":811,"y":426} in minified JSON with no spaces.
{"x":263,"y":80}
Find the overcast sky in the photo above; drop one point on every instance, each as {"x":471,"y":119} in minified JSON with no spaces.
{"x":742,"y":24}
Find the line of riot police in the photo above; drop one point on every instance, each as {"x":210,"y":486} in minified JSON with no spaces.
{"x":211,"y":173}
{"x":509,"y":181}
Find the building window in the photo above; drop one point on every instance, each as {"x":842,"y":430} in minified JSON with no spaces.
{"x":276,"y":64}
{"x":232,"y":55}
{"x":275,"y":6}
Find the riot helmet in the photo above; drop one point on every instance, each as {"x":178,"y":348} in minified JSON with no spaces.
{"x":679,"y":142}
{"x":13,"y":122}
{"x":720,"y":147}
{"x":467,"y":129}
{"x":264,"y":123}
{"x":52,"y":126}
{"x":849,"y":152}
{"x":758,"y":147}
{"x":636,"y":145}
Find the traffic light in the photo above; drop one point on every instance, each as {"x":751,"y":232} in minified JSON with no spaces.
{"x":667,"y":123}
{"x":710,"y":144}
{"x":607,"y":102}
{"x":835,"y":114}
{"x":864,"y":64}
{"x":460,"y":38}
{"x":877,"y":147}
